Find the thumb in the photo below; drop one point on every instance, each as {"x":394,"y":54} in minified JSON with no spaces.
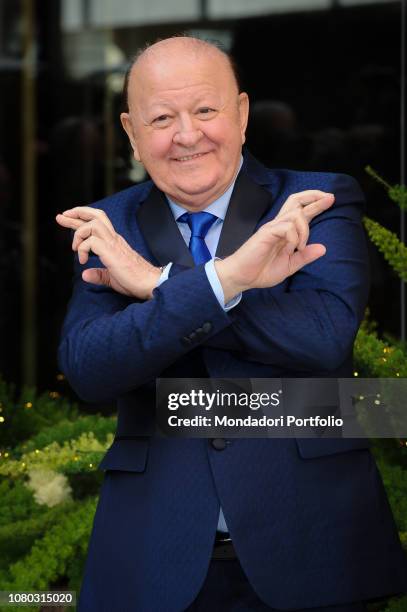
{"x":97,"y":276}
{"x":302,"y":258}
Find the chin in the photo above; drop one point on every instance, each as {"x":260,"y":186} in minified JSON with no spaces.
{"x":195,"y":188}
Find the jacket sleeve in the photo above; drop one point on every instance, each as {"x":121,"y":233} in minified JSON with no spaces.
{"x":111,"y":344}
{"x":310,"y":321}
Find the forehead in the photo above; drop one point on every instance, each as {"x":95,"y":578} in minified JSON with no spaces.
{"x":175,"y":75}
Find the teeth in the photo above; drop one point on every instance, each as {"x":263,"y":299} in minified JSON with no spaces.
{"x":188,"y":157}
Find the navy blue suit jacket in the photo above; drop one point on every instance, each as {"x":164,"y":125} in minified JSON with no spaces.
{"x":309,"y":518}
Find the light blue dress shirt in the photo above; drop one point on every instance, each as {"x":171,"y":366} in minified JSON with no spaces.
{"x":219,"y":208}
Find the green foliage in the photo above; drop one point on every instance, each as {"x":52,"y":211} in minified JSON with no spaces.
{"x":388,"y":243}
{"x":394,"y":251}
{"x":397,"y":193}
{"x":17,"y":537}
{"x":16,"y":502}
{"x":67,"y":430}
{"x":81,"y":454}
{"x":39,"y":544}
{"x":76,"y":566}
{"x":397,"y":605}
{"x":392,"y":341}
{"x":374,"y":357}
{"x":51,"y":556}
{"x":403,"y":539}
{"x":391,"y":452}
{"x":25,"y":416}
{"x":395,"y":481}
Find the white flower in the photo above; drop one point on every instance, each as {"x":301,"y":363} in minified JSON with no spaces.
{"x":49,"y":487}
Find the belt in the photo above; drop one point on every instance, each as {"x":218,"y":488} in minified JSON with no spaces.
{"x":223,"y":548}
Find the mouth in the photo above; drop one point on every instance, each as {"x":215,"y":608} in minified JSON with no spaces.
{"x":187,"y":158}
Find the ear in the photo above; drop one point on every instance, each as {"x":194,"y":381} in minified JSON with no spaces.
{"x":128,"y":128}
{"x":243,"y":113}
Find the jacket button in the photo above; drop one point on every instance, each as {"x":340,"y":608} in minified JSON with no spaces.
{"x":218,"y":443}
{"x":206,"y":327}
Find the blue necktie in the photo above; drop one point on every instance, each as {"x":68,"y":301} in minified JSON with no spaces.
{"x":199,"y":224}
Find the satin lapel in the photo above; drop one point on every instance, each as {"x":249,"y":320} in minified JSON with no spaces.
{"x":160,"y":231}
{"x":248,"y":204}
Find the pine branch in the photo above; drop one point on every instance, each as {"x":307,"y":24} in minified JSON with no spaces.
{"x":374,"y":357}
{"x":50,"y":555}
{"x":397,"y":193}
{"x":388,"y":243}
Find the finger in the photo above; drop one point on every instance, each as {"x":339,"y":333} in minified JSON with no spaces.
{"x":81,"y":235}
{"x":311,"y":195}
{"x":94,"y":244}
{"x":97,"y":276}
{"x":311,"y":253}
{"x":317,"y":207}
{"x":286,"y":230}
{"x":87,"y":213}
{"x":302,"y":226}
{"x":302,"y":198}
{"x":292,"y":241}
{"x":67,"y":222}
{"x":91,"y":228}
{"x":281,"y":229}
{"x":297,"y":217}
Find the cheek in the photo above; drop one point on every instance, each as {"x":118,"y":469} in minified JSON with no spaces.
{"x":223,"y":132}
{"x":157,"y":144}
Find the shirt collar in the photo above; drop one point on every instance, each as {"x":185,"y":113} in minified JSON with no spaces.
{"x":218,"y":207}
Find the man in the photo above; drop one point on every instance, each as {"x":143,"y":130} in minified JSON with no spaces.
{"x":307,"y":519}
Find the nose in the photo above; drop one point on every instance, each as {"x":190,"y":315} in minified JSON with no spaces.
{"x":187,"y":134}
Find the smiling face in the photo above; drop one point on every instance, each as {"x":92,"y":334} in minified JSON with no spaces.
{"x":186,"y":120}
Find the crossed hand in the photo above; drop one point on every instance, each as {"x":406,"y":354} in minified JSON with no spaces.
{"x":125,"y":270}
{"x":277,"y":250}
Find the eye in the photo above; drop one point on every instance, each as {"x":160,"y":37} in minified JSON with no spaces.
{"x":206,"y":110}
{"x":161,"y":119}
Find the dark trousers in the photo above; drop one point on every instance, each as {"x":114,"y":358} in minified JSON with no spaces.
{"x":226,"y":589}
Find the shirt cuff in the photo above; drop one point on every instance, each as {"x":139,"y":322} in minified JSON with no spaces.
{"x":164,"y":274}
{"x":215,"y":283}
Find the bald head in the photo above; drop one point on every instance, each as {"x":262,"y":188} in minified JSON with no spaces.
{"x":186,"y":119}
{"x":187,"y":47}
